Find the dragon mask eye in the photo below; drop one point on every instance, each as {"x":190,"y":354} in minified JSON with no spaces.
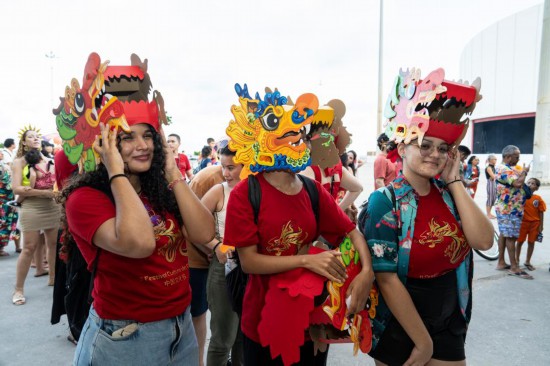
{"x":270,"y":121}
{"x":79,"y":103}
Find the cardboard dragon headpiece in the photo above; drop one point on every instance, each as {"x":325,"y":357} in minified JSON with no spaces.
{"x":431,"y":106}
{"x":268,"y":134}
{"x":117,"y":96}
{"x":327,"y":136}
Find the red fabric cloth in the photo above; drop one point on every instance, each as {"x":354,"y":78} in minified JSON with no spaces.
{"x":63,"y":168}
{"x":285,"y":223}
{"x":335,"y":176}
{"x":438,"y":243}
{"x":289,"y":297}
{"x":183,"y":164}
{"x":145,"y":290}
{"x":384,"y":168}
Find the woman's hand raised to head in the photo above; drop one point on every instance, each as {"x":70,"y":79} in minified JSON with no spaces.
{"x":450,"y":170}
{"x":106,"y":147}
{"x":171,"y":171}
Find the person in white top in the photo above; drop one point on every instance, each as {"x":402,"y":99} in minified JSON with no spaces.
{"x":224,"y":322}
{"x":8,"y":151}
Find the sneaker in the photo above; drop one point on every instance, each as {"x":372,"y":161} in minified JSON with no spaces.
{"x":14,"y":204}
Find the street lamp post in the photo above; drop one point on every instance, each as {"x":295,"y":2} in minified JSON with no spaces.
{"x":379,"y":114}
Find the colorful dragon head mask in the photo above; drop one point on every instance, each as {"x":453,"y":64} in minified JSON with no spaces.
{"x":114,"y":95}
{"x":431,"y":106}
{"x":268,"y":134}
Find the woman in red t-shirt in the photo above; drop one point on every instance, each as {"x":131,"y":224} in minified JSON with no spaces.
{"x":127,"y":220}
{"x":279,"y":242}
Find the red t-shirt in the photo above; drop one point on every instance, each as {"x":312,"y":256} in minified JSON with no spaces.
{"x":384,"y":168}
{"x":147,"y":289}
{"x":285,"y":224}
{"x":335,"y":176}
{"x":439,"y":245}
{"x":183,"y":164}
{"x":63,"y":168}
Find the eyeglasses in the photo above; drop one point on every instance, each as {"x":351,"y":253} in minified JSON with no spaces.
{"x":427,"y":147}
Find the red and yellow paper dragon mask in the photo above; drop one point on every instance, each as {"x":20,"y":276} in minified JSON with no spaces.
{"x":268,"y":134}
{"x":417,"y":105}
{"x":114,"y":95}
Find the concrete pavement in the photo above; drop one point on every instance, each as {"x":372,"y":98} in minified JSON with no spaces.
{"x":510,"y":323}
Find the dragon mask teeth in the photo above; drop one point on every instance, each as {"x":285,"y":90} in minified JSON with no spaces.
{"x":431,"y":106}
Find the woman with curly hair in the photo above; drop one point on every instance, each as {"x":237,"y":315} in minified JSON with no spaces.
{"x":39,"y":213}
{"x":130,"y":219}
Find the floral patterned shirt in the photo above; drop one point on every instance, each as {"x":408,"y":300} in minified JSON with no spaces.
{"x":389,"y":236}
{"x":510,"y":200}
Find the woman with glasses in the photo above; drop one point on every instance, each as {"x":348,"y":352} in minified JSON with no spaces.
{"x":421,"y":231}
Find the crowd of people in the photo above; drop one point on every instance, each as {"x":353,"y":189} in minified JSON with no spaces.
{"x":170,"y":238}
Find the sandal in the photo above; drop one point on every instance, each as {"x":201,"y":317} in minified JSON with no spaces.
{"x":45,"y":273}
{"x":71,"y":339}
{"x":521,"y":274}
{"x":3,"y":253}
{"x":529,"y":266}
{"x":505,"y":268}
{"x":18,"y":298}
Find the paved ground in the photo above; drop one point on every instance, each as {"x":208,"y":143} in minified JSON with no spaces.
{"x":510,"y":325}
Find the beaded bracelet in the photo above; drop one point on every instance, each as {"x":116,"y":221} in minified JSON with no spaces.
{"x":454,"y":181}
{"x":174,"y":182}
{"x":116,"y":176}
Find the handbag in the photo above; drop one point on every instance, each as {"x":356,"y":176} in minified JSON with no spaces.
{"x":236,"y":281}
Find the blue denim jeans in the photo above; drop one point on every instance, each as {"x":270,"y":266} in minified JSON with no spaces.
{"x":164,"y":342}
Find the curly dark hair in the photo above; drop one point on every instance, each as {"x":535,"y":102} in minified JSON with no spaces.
{"x":153,"y":186}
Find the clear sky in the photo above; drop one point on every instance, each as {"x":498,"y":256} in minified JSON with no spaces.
{"x":198,"y":50}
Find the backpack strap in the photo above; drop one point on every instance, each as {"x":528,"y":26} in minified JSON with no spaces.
{"x":254,"y":195}
{"x":391,"y":190}
{"x":313,"y":194}
{"x":92,"y":277}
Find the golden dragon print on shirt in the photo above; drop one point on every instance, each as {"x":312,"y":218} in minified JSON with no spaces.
{"x":289,"y":236}
{"x":435,"y":235}
{"x":175,"y":241}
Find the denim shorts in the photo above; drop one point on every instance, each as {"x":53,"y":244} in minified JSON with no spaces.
{"x":509,"y":225}
{"x":165,"y":342}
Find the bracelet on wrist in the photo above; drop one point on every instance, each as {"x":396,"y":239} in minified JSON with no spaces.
{"x":174,"y":182}
{"x":453,"y":181}
{"x":116,"y":176}
{"x":216,"y":246}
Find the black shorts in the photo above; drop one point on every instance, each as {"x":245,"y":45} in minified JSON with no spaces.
{"x":436,"y":301}
{"x":197,"y":281}
{"x":254,"y":354}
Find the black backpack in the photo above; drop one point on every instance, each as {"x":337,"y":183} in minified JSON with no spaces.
{"x":236,"y":280}
{"x":389,"y":191}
